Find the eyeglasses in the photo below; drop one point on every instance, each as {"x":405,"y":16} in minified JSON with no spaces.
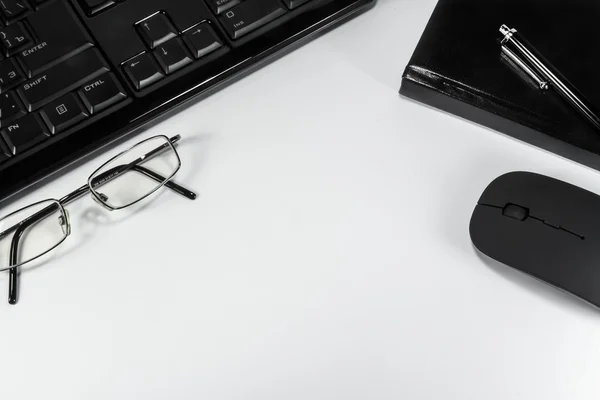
{"x":124,"y":180}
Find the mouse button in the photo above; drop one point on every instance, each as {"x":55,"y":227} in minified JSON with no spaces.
{"x":537,"y":192}
{"x":512,"y":241}
{"x":515,"y":211}
{"x":559,"y":204}
{"x":575,"y":211}
{"x":514,"y":187}
{"x":494,"y":234}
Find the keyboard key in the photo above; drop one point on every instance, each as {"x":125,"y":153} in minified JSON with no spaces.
{"x":95,"y":6}
{"x":156,"y":30}
{"x":24,"y":133}
{"x":10,"y":74}
{"x":220,"y":6}
{"x":250,"y":15}
{"x":14,"y":37}
{"x":102,"y":93}
{"x":291,"y":4}
{"x":63,"y":112}
{"x":4,"y":152}
{"x":202,"y":40}
{"x":10,"y":108}
{"x":57,"y":41}
{"x":13,"y":9}
{"x":62,"y":78}
{"x":143,"y":71}
{"x":172,"y":55}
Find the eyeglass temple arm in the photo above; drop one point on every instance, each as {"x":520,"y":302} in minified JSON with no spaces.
{"x":170,"y":184}
{"x":13,"y":280}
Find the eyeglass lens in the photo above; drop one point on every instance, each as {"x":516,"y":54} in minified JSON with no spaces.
{"x":35,"y":229}
{"x":136,"y":173}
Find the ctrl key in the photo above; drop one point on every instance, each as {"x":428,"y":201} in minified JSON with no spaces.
{"x":102,"y":93}
{"x":24,"y":133}
{"x":143,"y":71}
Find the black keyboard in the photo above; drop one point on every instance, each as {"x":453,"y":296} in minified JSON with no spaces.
{"x":76,"y":75}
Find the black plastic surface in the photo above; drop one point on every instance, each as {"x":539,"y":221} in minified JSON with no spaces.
{"x":457,"y":67}
{"x":557,"y":242}
{"x":114,"y":29}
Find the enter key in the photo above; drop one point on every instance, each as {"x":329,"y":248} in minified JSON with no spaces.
{"x":60,"y":36}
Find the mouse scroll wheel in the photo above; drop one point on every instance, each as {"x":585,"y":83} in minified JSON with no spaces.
{"x":516,"y":212}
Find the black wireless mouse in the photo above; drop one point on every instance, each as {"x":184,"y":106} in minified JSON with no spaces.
{"x":543,"y":227}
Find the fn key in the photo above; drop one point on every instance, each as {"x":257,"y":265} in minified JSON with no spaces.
{"x":24,"y":133}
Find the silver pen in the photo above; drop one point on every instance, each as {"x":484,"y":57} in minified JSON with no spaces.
{"x":523,"y":54}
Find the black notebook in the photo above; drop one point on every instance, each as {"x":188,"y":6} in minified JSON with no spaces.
{"x":457,"y":67}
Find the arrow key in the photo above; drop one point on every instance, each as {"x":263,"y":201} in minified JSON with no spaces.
{"x":156,"y":30}
{"x":143,"y":71}
{"x":172,"y":55}
{"x":202,"y":40}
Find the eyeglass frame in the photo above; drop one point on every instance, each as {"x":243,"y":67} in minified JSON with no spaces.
{"x":89,"y":187}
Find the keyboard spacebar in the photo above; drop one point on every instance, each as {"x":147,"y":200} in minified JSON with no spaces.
{"x":62,"y":78}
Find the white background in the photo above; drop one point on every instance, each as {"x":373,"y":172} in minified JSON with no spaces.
{"x":327,"y":256}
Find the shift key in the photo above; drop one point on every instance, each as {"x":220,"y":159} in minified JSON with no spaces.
{"x":62,"y":78}
{"x":250,"y":15}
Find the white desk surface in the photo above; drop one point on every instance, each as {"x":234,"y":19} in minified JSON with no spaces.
{"x":327,"y":256}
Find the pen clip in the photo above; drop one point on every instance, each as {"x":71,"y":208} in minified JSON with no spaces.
{"x":539,"y":81}
{"x":507,"y":33}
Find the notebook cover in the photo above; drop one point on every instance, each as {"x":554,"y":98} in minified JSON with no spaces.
{"x":457,"y":67}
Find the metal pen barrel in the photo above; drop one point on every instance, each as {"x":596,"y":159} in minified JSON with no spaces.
{"x":516,"y":44}
{"x":520,"y":64}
